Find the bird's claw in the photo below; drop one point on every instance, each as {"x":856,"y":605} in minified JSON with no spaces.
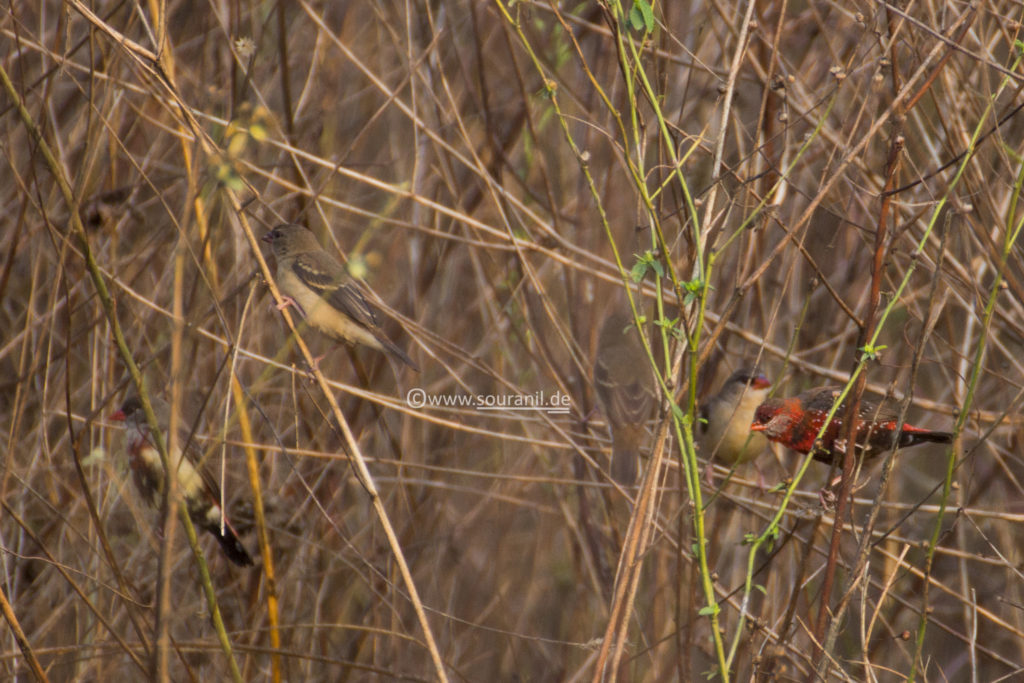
{"x":762,"y":482}
{"x":827,"y":497}
{"x":709,"y":474}
{"x":311,"y":370}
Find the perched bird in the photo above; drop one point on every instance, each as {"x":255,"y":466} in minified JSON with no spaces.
{"x":325,"y":295}
{"x":795,"y":422}
{"x":724,"y":427}
{"x":198,"y":489}
{"x":626,"y":389}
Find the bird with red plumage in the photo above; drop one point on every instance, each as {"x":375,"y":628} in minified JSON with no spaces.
{"x":795,"y":422}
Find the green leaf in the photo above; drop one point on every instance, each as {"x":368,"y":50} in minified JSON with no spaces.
{"x":226,"y":175}
{"x":258,"y":132}
{"x":638,"y":271}
{"x":636,"y":19}
{"x":872,"y":352}
{"x":641,"y":16}
{"x":646,"y":261}
{"x":694,"y":289}
{"x":709,"y":610}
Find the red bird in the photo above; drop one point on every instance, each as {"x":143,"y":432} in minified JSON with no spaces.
{"x":198,"y":489}
{"x":795,"y":422}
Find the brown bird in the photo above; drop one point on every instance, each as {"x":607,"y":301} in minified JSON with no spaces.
{"x":724,"y":427}
{"x":324,"y":294}
{"x":198,"y":489}
{"x":795,"y":422}
{"x":626,"y":389}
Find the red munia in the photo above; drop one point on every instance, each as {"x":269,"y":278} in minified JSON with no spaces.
{"x":795,"y":422}
{"x":198,"y":489}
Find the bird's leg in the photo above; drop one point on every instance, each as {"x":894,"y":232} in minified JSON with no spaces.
{"x":827,"y":495}
{"x":762,"y":482}
{"x":827,"y":498}
{"x":709,"y":474}
{"x":311,"y":370}
{"x":287,"y":301}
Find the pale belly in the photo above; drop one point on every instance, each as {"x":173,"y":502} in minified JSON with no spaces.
{"x":322,"y":316}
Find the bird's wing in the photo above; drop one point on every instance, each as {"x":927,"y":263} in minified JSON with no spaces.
{"x":638,"y":397}
{"x":821,"y":399}
{"x":320,"y":273}
{"x":870,"y":409}
{"x":874,"y":411}
{"x":195,"y":457}
{"x":628,"y":398}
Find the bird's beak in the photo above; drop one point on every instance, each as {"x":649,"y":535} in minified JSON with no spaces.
{"x":119,"y":416}
{"x":757,"y":427}
{"x":760,"y":382}
{"x":267,"y":238}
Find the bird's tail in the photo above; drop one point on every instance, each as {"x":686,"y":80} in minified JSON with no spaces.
{"x":624,"y":464}
{"x":627,"y":444}
{"x":912,"y":436}
{"x":231,"y":545}
{"x":395,"y":351}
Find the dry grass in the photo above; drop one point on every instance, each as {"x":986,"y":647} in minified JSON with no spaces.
{"x":474,"y":160}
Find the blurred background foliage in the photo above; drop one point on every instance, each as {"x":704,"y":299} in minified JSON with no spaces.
{"x":474,"y":163}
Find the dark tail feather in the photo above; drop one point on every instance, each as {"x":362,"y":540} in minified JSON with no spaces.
{"x":231,"y":546}
{"x":912,"y":438}
{"x":398,"y":353}
{"x":624,"y":465}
